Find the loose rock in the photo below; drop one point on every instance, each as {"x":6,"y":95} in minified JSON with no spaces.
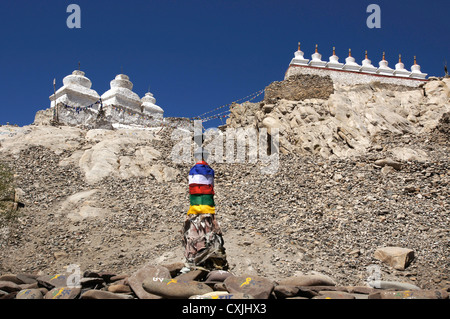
{"x":396,"y":257}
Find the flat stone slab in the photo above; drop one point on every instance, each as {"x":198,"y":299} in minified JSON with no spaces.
{"x":29,"y":294}
{"x":53,"y":281}
{"x":63,"y":293}
{"x":101,"y":294}
{"x":196,"y":274}
{"x":222,"y":295}
{"x":285,"y":291}
{"x":408,"y":294}
{"x":258,"y":287}
{"x":89,"y":282}
{"x":9,"y":286}
{"x":27,"y":278}
{"x":148,"y":272}
{"x":119,"y":288}
{"x":175,"y":289}
{"x":328,"y":294}
{"x":308,"y":280}
{"x":217,"y":276}
{"x":380,"y":284}
{"x":12,"y":278}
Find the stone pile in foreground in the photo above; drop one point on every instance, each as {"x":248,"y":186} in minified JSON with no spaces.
{"x":175,"y":281}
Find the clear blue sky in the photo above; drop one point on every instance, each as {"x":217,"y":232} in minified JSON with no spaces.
{"x":198,"y":55}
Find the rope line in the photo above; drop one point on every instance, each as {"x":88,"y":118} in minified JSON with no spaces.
{"x":82,"y":108}
{"x":219,"y":115}
{"x":257,"y":93}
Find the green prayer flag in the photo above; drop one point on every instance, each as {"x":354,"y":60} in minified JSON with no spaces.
{"x":202,"y":200}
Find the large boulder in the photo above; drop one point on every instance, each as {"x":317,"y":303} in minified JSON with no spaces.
{"x":396,"y":257}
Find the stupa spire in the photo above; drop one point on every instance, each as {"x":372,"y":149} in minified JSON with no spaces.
{"x":316,"y":59}
{"x":298,"y":57}
{"x":350,"y":63}
{"x":400,"y":68}
{"x":334,"y":61}
{"x":415,"y":70}
{"x":383,"y":68}
{"x":367,"y":66}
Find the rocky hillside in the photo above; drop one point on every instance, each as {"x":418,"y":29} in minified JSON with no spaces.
{"x":317,"y":117}
{"x":362,"y":168}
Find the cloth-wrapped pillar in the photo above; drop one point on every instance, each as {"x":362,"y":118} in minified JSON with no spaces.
{"x":202,"y":236}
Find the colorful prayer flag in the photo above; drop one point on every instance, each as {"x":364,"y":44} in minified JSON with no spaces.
{"x":201,"y":179}
{"x":201,"y":209}
{"x":201,"y":189}
{"x":201,"y":169}
{"x":202,"y":199}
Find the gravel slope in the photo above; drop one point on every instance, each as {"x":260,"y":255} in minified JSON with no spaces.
{"x":313,"y":215}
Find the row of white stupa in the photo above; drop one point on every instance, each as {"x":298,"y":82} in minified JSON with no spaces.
{"x":76,"y":92}
{"x":351,"y":65}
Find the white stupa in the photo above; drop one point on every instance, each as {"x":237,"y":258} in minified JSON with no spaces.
{"x":298,"y":57}
{"x":316,"y":59}
{"x":367,"y":66}
{"x":149,"y":106}
{"x":415,"y":71}
{"x":75,"y":92}
{"x":121,"y":94}
{"x":350,"y":63}
{"x":334,"y":61}
{"x":383,"y":68}
{"x":400,"y":68}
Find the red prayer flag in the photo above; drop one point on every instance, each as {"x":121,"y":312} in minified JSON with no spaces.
{"x":198,"y":189}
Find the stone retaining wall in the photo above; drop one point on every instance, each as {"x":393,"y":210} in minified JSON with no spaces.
{"x":300,"y":87}
{"x":349,"y":77}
